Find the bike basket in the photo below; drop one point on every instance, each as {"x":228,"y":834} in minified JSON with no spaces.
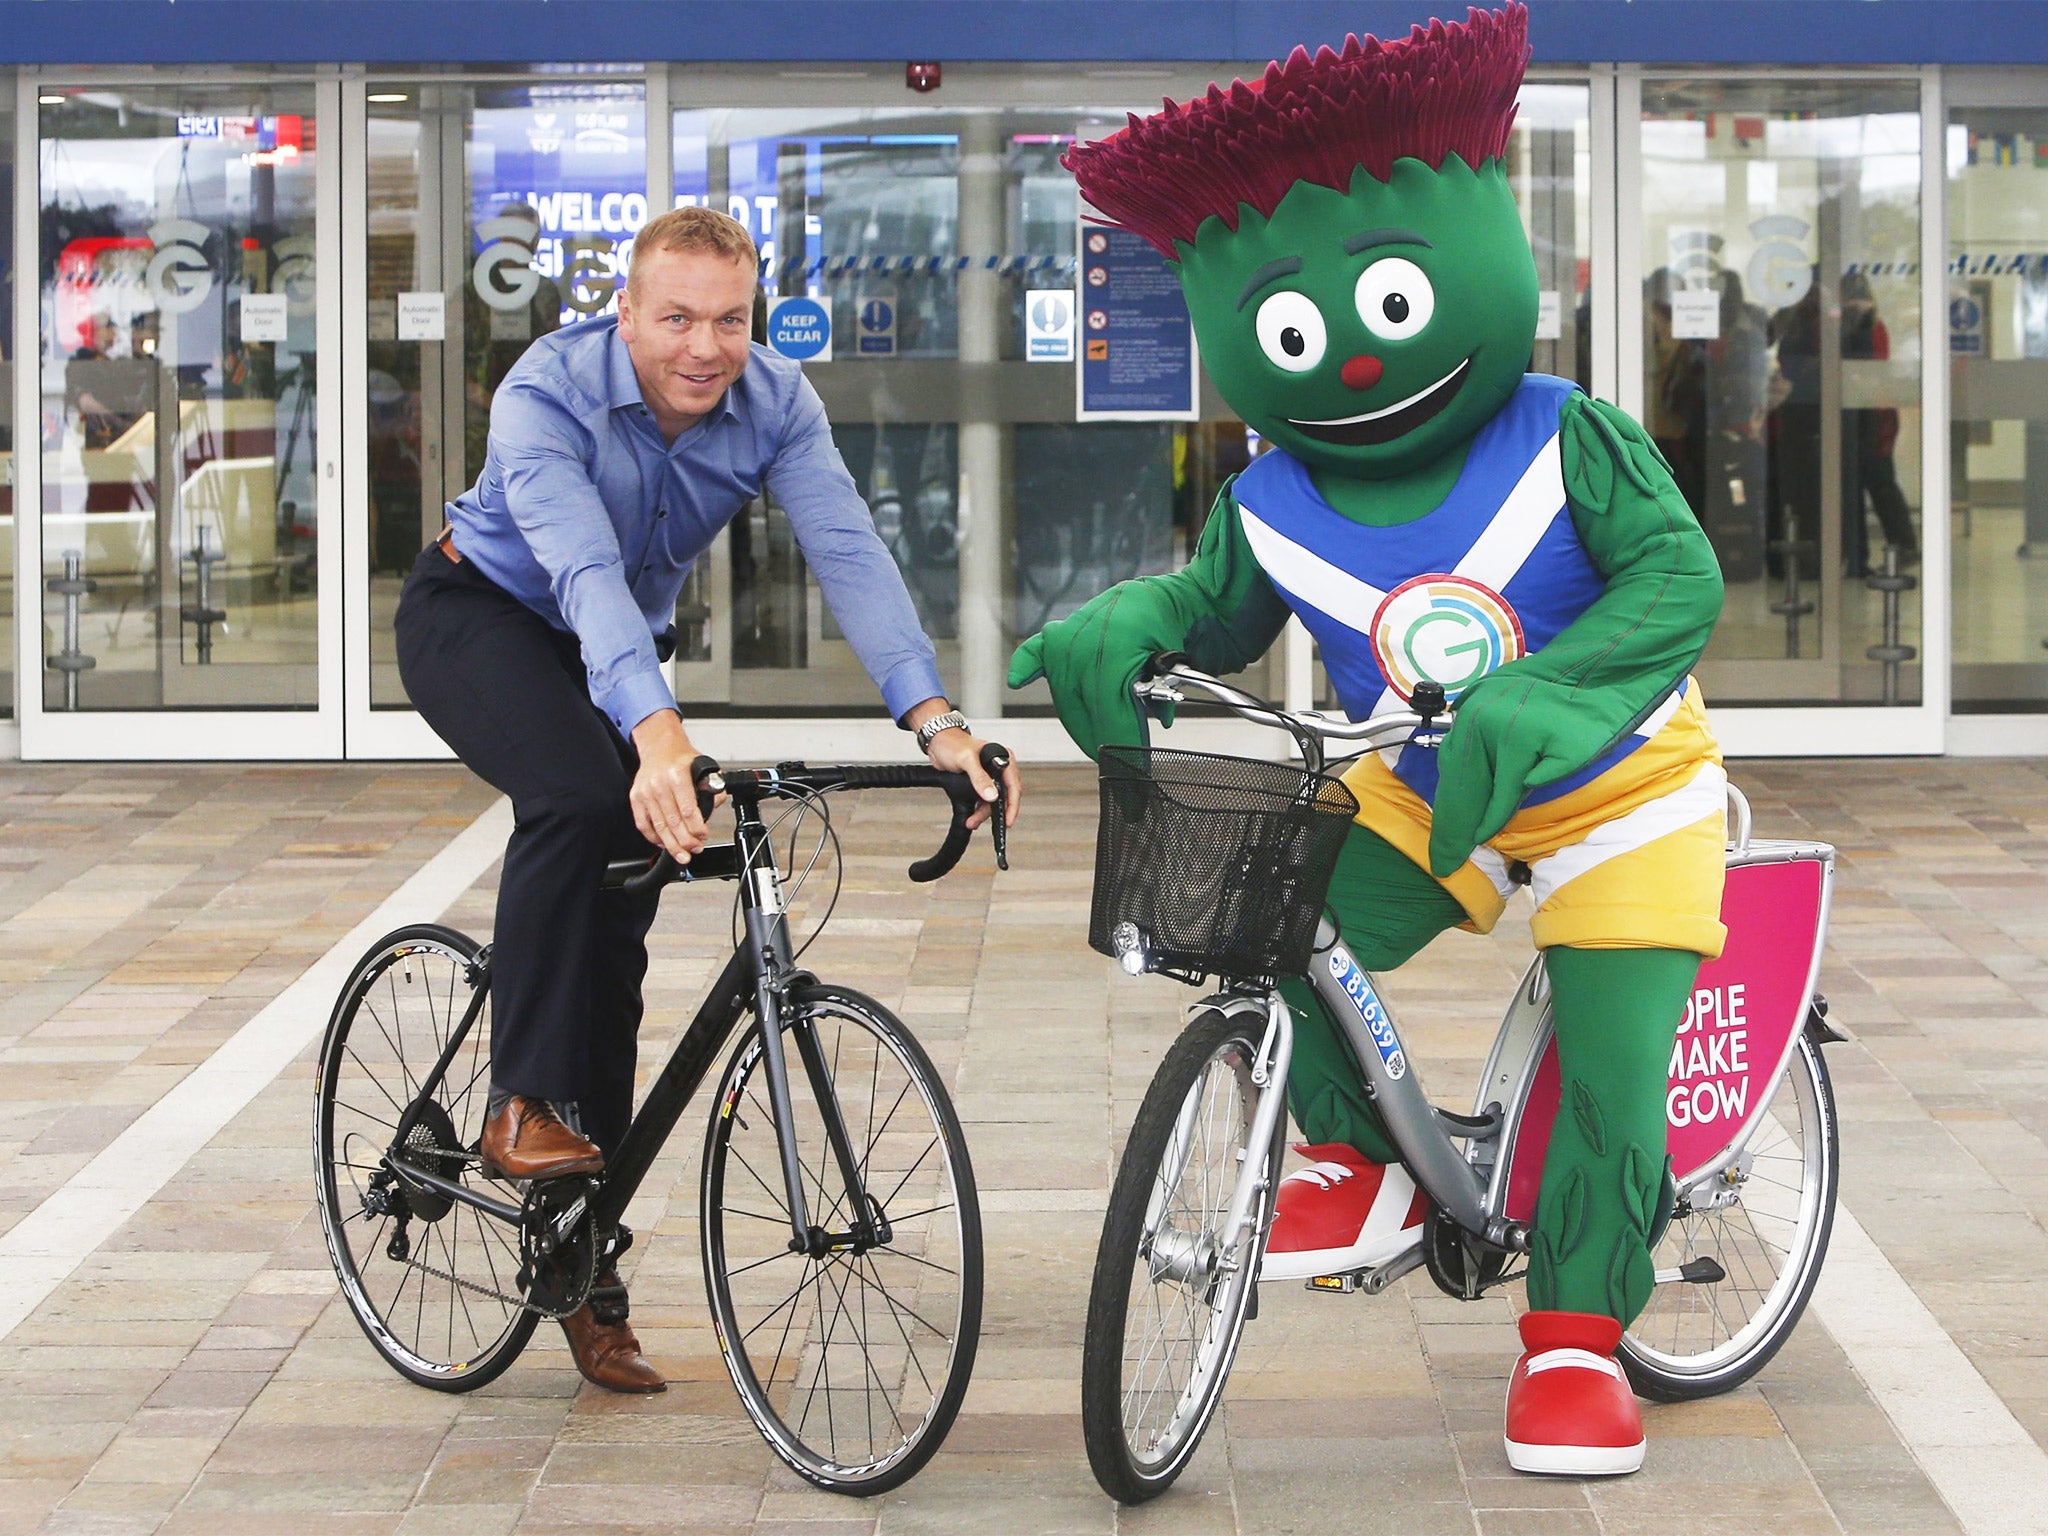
{"x":1220,"y":864}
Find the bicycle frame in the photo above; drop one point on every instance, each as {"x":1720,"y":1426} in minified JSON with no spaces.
{"x":1776,"y":906}
{"x":761,"y":970}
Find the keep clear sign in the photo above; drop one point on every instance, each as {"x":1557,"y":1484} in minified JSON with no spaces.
{"x":1137,"y":343}
{"x":801,"y":328}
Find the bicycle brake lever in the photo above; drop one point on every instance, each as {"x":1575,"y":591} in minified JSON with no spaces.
{"x":994,"y":759}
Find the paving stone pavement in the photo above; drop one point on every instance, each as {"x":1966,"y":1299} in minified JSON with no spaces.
{"x":199,"y":1373}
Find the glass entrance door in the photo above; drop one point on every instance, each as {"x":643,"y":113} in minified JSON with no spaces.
{"x":178,"y":508}
{"x":1997,"y":168}
{"x":491,"y":213}
{"x":1779,"y":370}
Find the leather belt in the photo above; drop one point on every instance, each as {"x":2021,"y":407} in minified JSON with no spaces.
{"x":447,"y":543}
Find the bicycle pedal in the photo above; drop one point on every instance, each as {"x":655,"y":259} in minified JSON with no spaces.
{"x":1336,"y":1285}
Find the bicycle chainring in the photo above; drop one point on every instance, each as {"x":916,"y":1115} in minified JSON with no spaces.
{"x":1461,"y":1264}
{"x":557,"y":1245}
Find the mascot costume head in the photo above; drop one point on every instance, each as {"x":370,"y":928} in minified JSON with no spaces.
{"x":1354,"y":262}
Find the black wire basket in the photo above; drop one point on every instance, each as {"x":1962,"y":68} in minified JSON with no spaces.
{"x":1219,"y":865}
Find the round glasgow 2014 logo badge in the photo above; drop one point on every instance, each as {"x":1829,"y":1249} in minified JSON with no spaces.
{"x":1444,"y":629}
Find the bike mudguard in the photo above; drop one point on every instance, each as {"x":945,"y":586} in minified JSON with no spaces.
{"x":1739,"y":1029}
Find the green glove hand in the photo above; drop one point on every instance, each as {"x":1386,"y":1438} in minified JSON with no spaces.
{"x":1510,"y":734}
{"x":1091,"y":658}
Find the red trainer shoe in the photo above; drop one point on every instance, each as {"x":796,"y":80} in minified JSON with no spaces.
{"x":1570,"y":1410}
{"x":1340,"y":1213}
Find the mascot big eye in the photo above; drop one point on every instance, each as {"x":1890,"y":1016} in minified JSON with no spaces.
{"x":1348,"y":242}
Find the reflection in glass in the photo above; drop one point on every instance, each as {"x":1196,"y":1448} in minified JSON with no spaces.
{"x":1781,"y":371}
{"x":926,"y":229}
{"x":1998,"y":429}
{"x":498,"y":214}
{"x":178,"y":398}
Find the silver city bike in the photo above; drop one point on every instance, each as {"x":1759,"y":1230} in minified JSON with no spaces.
{"x":1218,"y":867}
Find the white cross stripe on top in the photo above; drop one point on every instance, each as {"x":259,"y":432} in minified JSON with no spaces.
{"x":1531,"y":507}
{"x":1309,"y":576}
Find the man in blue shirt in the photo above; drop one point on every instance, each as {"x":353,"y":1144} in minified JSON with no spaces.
{"x":527,"y":639}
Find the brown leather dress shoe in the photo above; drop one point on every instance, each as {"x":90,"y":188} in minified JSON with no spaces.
{"x":525,"y":1139}
{"x":606,"y":1351}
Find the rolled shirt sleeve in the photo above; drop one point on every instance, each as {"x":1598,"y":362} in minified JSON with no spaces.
{"x":809,"y":481}
{"x":544,"y":453}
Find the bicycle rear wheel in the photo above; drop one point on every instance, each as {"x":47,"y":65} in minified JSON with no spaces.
{"x":431,"y":1281}
{"x":1171,"y":1288}
{"x":852,"y":1359}
{"x":1738,"y":1263}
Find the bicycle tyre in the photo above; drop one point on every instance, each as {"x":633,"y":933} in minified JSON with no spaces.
{"x":927,"y":1278}
{"x":1700,"y":1339}
{"x":453,"y":1337}
{"x":1176,"y":1098}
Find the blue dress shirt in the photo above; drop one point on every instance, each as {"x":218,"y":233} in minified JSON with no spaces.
{"x":586,"y":515}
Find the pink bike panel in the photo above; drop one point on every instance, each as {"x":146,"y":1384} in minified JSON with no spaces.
{"x":1736,"y":1035}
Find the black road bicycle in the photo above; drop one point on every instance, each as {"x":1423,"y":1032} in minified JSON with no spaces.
{"x":840,"y":1229}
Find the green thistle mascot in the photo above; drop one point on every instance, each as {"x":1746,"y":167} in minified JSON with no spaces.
{"x":1364,"y":296}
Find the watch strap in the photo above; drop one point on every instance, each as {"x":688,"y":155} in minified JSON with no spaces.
{"x":952,"y":719}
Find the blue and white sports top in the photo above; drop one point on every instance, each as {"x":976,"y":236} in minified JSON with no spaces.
{"x":1494,"y":573}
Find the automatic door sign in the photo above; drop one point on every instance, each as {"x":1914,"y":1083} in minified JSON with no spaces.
{"x":265,"y":317}
{"x":877,"y":313}
{"x":801,"y":328}
{"x":1049,"y":325}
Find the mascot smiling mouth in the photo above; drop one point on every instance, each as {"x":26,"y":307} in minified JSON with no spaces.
{"x":1389,"y":422}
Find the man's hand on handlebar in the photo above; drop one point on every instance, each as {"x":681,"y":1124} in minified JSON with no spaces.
{"x":664,"y":796}
{"x":960,"y":752}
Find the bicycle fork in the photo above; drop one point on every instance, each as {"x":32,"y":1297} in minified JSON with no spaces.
{"x":1199,"y":1258}
{"x":767,"y":928}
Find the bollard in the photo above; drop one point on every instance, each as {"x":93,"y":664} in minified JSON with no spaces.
{"x":1791,"y":604}
{"x":202,"y":612}
{"x":1892,"y":653}
{"x":72,"y":586}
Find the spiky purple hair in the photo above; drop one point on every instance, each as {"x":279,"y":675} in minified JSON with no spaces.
{"x":1447,"y":89}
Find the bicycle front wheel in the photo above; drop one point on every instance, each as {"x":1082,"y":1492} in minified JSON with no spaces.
{"x":433,"y":1282}
{"x":1738,"y":1263}
{"x":851,"y":1358}
{"x":1172,"y":1286}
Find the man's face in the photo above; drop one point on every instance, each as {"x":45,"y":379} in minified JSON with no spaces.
{"x":686,"y":318}
{"x":1369,"y":333}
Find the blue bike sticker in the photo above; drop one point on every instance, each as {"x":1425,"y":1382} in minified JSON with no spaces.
{"x":1367,"y":1002}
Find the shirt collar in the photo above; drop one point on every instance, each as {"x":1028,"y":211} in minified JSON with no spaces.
{"x":622,"y":384}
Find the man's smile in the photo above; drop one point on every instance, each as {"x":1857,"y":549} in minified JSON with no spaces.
{"x":1389,"y":421}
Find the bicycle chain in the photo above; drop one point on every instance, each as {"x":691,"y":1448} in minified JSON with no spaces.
{"x":484,"y":1290}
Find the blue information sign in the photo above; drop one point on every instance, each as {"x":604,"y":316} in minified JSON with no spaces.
{"x":800,"y":327}
{"x":1137,"y":346}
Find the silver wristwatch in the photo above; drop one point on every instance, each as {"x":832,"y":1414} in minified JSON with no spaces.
{"x":952,"y":719}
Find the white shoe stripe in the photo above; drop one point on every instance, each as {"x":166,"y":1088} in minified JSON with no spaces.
{"x":1581,"y":1359}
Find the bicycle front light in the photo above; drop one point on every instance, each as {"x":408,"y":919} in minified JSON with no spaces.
{"x":1129,"y":944}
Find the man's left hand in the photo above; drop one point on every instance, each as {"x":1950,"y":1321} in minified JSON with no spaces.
{"x":959,"y":751}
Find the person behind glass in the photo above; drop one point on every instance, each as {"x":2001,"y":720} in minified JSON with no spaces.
{"x":1870,"y":438}
{"x":527,"y":637}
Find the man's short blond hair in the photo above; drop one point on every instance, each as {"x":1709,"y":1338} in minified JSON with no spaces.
{"x":696,"y":229}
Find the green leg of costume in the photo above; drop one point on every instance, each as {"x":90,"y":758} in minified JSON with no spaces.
{"x":1617,"y":1010}
{"x":1388,"y":908}
{"x":1602,"y":1201}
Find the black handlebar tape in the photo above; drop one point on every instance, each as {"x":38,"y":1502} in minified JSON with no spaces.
{"x":637,"y":876}
{"x":701,"y":769}
{"x":960,"y":790}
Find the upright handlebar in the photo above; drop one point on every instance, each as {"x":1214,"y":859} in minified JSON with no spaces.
{"x":1165,"y":674}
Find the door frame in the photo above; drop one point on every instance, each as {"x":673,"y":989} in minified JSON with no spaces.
{"x":173,"y":734}
{"x":1822,"y":730}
